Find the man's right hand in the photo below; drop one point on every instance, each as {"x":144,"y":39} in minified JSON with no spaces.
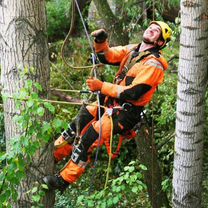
{"x":99,"y":35}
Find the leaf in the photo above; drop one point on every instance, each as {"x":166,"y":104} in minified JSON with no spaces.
{"x":36,"y":198}
{"x":34,"y":95}
{"x":40,"y":111}
{"x":57,"y":123}
{"x":44,"y":186}
{"x":134,"y":189}
{"x":46,"y":127}
{"x":50,"y":107}
{"x":115,"y":200}
{"x":38,"y":86}
{"x":126,"y":168}
{"x":29,"y":84}
{"x":30,"y":103}
{"x":132,"y":162}
{"x":143,"y":167}
{"x":90,"y":203}
{"x":34,"y":190}
{"x":80,"y":198}
{"x":140,"y":187}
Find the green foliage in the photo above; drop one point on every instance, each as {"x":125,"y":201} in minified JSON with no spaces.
{"x":58,"y":18}
{"x":120,"y":191}
{"x":35,"y":132}
{"x":174,"y":3}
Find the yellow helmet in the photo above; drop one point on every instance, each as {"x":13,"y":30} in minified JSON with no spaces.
{"x":165,"y":29}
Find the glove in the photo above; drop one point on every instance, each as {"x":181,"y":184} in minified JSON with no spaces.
{"x":99,"y":35}
{"x":94,"y":84}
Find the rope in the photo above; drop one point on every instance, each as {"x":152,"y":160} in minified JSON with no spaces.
{"x":95,"y":75}
{"x":59,"y":102}
{"x":75,"y":91}
{"x":66,"y":40}
{"x":68,"y":34}
{"x":83,"y":23}
{"x":110,"y":155}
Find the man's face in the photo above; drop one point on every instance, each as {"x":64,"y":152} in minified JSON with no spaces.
{"x":152,"y":33}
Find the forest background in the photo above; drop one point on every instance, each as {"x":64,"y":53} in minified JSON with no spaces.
{"x":128,"y":185}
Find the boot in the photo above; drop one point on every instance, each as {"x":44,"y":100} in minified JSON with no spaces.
{"x":55,"y":182}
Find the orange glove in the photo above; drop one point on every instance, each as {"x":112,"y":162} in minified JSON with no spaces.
{"x":94,"y":84}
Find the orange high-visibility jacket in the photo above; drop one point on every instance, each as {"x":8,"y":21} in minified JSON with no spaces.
{"x":149,"y":71}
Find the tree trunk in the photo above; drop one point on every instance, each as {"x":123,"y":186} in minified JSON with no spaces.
{"x":192,"y":83}
{"x":170,"y":12}
{"x":114,"y":26}
{"x":24,"y":45}
{"x":153,"y":177}
{"x":76,"y":24}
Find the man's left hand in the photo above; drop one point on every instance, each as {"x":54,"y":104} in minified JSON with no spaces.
{"x":94,"y":84}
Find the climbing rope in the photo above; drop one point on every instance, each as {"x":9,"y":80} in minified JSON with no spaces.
{"x":110,"y":154}
{"x":66,"y":40}
{"x":93,"y":72}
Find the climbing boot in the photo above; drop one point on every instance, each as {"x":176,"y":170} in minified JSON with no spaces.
{"x":55,"y":182}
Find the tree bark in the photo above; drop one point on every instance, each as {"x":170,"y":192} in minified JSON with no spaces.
{"x":114,"y":26}
{"x":23,"y":44}
{"x":192,"y":83}
{"x":147,"y":154}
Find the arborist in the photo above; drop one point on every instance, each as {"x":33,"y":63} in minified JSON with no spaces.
{"x":141,"y":70}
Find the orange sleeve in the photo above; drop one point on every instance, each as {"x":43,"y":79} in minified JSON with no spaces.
{"x":113,"y":54}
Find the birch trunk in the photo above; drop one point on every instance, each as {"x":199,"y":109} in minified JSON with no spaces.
{"x":192,"y":83}
{"x":23,"y":43}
